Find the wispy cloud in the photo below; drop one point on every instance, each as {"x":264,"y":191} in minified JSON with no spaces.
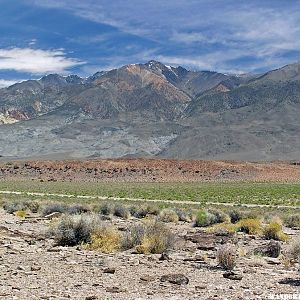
{"x":36,"y":61}
{"x":255,"y":30}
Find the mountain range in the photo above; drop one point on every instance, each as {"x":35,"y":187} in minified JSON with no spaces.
{"x":154,"y":110}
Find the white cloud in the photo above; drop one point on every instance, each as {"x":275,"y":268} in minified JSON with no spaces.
{"x":5,"y":83}
{"x":36,"y":61}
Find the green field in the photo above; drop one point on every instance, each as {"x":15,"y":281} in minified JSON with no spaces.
{"x":239,"y":193}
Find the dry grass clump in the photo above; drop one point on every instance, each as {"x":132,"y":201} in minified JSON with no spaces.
{"x":273,"y":231}
{"x":105,"y":239}
{"x":292,"y":221}
{"x":226,"y":256}
{"x":150,"y":237}
{"x":74,"y":230}
{"x":249,"y":226}
{"x":168,"y":215}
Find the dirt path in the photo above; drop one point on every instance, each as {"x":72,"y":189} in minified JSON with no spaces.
{"x":146,"y":200}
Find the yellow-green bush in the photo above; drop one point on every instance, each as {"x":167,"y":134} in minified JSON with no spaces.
{"x":105,"y":239}
{"x":273,"y":231}
{"x":168,"y":215}
{"x":249,"y":226}
{"x":21,"y":213}
{"x":149,"y":237}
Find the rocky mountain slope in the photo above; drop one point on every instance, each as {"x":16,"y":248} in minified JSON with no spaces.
{"x":149,"y":110}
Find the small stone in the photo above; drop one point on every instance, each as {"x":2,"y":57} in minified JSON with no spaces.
{"x":200,"y":287}
{"x":91,"y":297}
{"x":21,"y":268}
{"x":164,"y":256}
{"x":109,"y":270}
{"x":175,"y":279}
{"x":35,"y":268}
{"x":232,"y":275}
{"x":115,"y":289}
{"x":272,"y":261}
{"x":147,"y":278}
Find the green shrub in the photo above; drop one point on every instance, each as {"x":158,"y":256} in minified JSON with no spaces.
{"x":168,"y":215}
{"x":219,"y":216}
{"x":226,"y":256}
{"x":204,"y":219}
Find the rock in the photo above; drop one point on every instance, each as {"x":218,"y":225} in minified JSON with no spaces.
{"x":35,"y":268}
{"x":109,"y":270}
{"x":21,"y":268}
{"x":175,"y":279}
{"x":53,"y":215}
{"x":200,"y":287}
{"x":164,"y":256}
{"x":232,"y":275}
{"x":147,"y":278}
{"x":272,"y":261}
{"x":91,"y":297}
{"x":115,"y":289}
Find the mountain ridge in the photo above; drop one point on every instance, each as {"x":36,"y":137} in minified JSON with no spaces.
{"x":154,"y":110}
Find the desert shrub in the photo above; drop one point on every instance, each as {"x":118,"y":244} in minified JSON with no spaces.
{"x":273,"y":231}
{"x":204,"y":219}
{"x":236,"y":215}
{"x":226,"y":256}
{"x":54,"y":207}
{"x":105,"y":239}
{"x":294,"y":251}
{"x":272,"y":249}
{"x":168,"y":215}
{"x":149,"y":237}
{"x":292,"y":221}
{"x":77,"y":209}
{"x":121,"y":211}
{"x":250,"y":226}
{"x":33,"y":206}
{"x":11,"y":207}
{"x":219,"y":216}
{"x":74,"y":230}
{"x":106,"y":209}
{"x":226,"y":227}
{"x":183,"y":215}
{"x":133,"y":236}
{"x":21,"y":213}
{"x":138,"y":212}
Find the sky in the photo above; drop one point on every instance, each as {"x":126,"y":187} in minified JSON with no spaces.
{"x":82,"y":37}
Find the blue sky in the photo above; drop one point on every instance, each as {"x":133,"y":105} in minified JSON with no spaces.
{"x":74,"y":36}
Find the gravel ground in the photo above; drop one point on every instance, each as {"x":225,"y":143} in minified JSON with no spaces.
{"x":33,"y":268}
